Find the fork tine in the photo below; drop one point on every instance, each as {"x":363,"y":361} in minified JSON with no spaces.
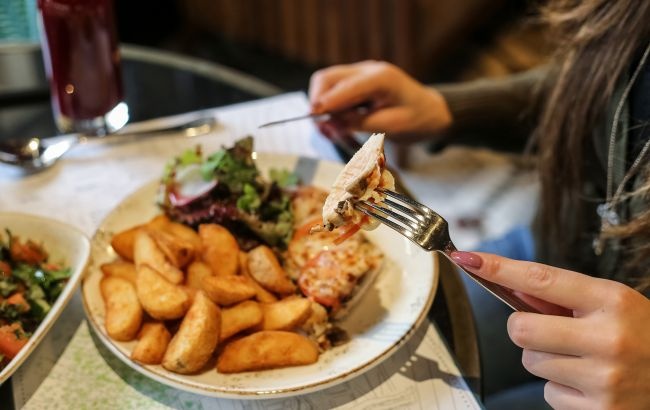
{"x":408,"y":221}
{"x":395,"y":226}
{"x":418,"y":206}
{"x":406,"y":210}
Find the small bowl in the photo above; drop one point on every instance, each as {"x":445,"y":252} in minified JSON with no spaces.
{"x":64,"y":244}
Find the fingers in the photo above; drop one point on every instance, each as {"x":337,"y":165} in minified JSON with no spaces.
{"x":556,"y":334}
{"x":390,"y":120}
{"x":345,"y":86}
{"x":544,"y":306}
{"x":563,"y":397}
{"x":569,"y":371}
{"x":562,"y":287}
{"x":322,"y":80}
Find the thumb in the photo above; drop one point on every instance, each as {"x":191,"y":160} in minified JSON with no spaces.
{"x":391,"y":120}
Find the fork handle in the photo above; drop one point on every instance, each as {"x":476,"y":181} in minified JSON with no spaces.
{"x":502,"y":293}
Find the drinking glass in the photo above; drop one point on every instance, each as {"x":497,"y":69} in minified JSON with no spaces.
{"x":82,"y":62}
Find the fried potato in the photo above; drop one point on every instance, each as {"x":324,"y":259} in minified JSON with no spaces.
{"x":227,"y":290}
{"x":177,"y":250}
{"x":219,"y":249}
{"x":239,"y":317}
{"x":266,"y":270}
{"x":191,"y":292}
{"x":123,"y":310}
{"x":158,"y":222}
{"x":146,"y":252}
{"x":195,"y":273}
{"x":122,"y":269}
{"x":187,"y":234}
{"x":193,"y":344}
{"x":261,"y":294}
{"x":123,"y":242}
{"x":285,"y":314}
{"x":161,"y":299}
{"x":268,"y":349}
{"x":152,"y":343}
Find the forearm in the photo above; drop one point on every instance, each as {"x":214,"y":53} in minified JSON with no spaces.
{"x":497,"y":112}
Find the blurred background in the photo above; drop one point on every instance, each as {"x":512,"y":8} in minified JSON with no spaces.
{"x":284,"y":41}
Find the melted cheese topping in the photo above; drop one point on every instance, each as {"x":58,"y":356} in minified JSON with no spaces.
{"x":328,"y":273}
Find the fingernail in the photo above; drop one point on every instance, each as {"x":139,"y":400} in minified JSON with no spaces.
{"x":467,"y":259}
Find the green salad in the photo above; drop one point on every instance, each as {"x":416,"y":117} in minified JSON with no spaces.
{"x":226,"y":188}
{"x":29,"y":285}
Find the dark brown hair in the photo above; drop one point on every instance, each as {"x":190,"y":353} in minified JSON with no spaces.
{"x":597,"y":42}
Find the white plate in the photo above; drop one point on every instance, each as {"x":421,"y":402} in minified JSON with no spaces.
{"x":64,"y":244}
{"x":384,"y":319}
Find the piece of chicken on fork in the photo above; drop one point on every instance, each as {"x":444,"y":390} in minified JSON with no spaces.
{"x":363,"y":175}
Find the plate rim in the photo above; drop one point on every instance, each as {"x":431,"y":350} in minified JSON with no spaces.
{"x":74,"y":282}
{"x":213,"y":391}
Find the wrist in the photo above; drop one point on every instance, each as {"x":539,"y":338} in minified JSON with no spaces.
{"x":438,"y":114}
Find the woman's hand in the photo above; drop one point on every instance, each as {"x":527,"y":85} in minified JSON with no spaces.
{"x":599,"y":356}
{"x":399,"y":104}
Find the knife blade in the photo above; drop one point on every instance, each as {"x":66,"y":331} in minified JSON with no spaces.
{"x":360,"y":109}
{"x":315,"y":117}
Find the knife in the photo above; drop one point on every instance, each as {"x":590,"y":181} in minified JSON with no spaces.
{"x":359,"y":109}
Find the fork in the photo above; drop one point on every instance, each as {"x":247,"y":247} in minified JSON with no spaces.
{"x":430,"y":231}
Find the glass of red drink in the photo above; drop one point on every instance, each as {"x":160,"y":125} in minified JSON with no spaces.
{"x":82,"y":62}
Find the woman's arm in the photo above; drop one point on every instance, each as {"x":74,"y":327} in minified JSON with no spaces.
{"x":487,"y":110}
{"x":496,"y":112}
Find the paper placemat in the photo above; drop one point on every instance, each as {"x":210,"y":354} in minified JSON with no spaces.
{"x":421,"y":375}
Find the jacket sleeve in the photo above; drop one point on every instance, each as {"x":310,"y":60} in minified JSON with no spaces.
{"x":498,"y":113}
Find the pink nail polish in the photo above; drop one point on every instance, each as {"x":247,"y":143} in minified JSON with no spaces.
{"x":467,"y":259}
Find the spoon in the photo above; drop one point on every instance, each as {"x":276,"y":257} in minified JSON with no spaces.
{"x":35,"y":154}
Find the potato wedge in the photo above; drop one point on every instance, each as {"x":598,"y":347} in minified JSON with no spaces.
{"x":261,"y":294}
{"x":285,"y":314}
{"x":193,"y":344}
{"x":122,"y":242}
{"x":195,"y":273}
{"x":152,"y":343}
{"x":186,"y":233}
{"x":239,"y":317}
{"x":177,"y":250}
{"x":160,"y":298}
{"x":146,"y":252}
{"x":123,"y":310}
{"x":219,"y":249}
{"x":227,"y":290}
{"x":268,"y":349}
{"x":123,"y":269}
{"x":266,"y":270}
{"x":158,"y":222}
{"x":191,"y":292}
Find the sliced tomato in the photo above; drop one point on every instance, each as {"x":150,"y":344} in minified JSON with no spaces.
{"x":28,"y":252}
{"x":5,"y":269}
{"x":346,"y":232}
{"x":303,"y":230}
{"x":12,"y":339}
{"x":19,"y":300}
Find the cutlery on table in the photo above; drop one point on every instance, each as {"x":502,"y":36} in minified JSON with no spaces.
{"x":430,"y":231}
{"x":359,"y":109}
{"x":35,"y":154}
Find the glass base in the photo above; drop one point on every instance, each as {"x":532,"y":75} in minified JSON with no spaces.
{"x":108,"y":123}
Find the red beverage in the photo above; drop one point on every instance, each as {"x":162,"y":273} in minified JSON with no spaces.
{"x":83,"y":64}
